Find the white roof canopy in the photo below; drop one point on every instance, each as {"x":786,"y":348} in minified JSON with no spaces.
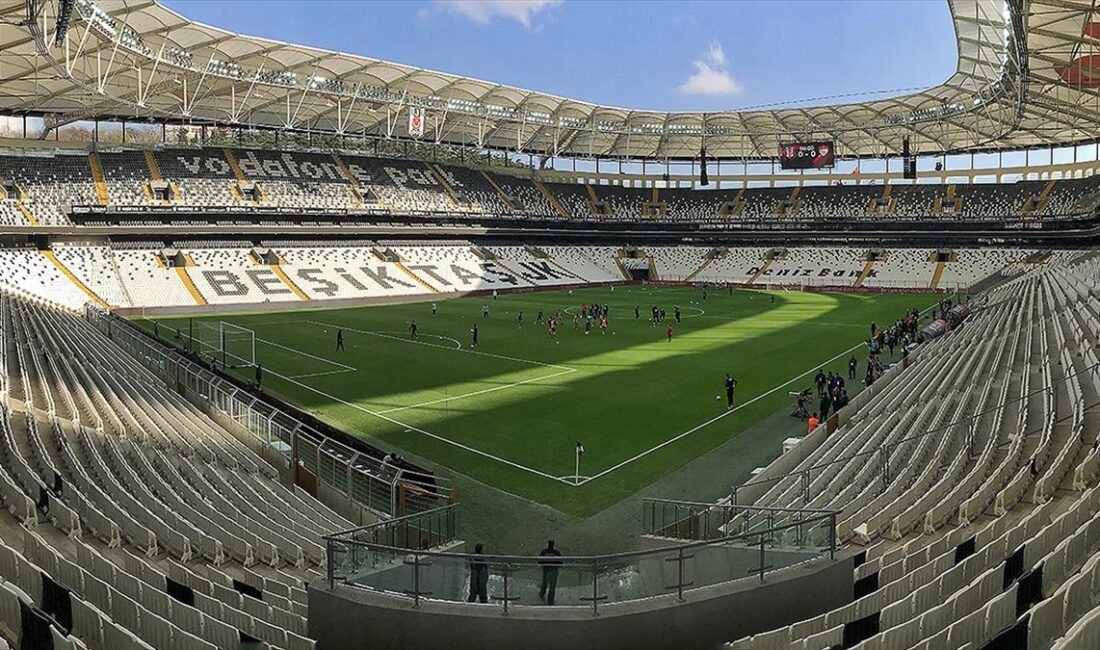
{"x":1025,"y":77}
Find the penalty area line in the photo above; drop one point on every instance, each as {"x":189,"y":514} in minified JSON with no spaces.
{"x":443,"y":347}
{"x":321,"y":374}
{"x":425,"y":432}
{"x":479,"y":392}
{"x":718,"y":417}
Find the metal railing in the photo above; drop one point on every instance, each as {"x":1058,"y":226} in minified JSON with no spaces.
{"x":697,"y":521}
{"x":364,"y":479}
{"x":390,"y":558}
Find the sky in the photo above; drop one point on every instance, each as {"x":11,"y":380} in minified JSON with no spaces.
{"x":687,"y":55}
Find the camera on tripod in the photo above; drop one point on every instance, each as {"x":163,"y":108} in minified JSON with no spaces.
{"x":800,"y":397}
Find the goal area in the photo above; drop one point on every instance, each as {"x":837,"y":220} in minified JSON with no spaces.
{"x":228,"y":345}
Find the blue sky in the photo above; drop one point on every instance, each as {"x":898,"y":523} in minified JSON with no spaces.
{"x":652,"y":55}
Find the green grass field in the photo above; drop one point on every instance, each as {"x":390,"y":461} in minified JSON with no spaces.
{"x":509,"y":412}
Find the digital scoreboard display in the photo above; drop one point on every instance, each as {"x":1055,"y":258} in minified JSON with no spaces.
{"x":807,"y":155}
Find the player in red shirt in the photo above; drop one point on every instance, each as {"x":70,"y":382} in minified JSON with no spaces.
{"x":668,"y":332}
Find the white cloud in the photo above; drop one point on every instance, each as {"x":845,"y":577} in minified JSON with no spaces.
{"x":711,"y":76}
{"x":484,"y":11}
{"x":716,"y":55}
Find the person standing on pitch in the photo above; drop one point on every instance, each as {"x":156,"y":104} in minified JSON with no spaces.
{"x":731,"y":383}
{"x":485,"y":310}
{"x":538,"y":317}
{"x":668,"y":332}
{"x":259,"y":374}
{"x":519,"y":319}
{"x":550,"y":565}
{"x":433,"y":309}
{"x":473,"y":335}
{"x":677,"y":314}
{"x":339,"y":340}
{"x":412,"y":329}
{"x":852,"y":365}
{"x":479,"y":576}
{"x":637,"y":313}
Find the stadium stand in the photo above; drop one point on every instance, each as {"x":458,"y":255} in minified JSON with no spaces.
{"x":987,"y":525}
{"x":164,"y":529}
{"x":153,"y":496}
{"x":46,"y":187}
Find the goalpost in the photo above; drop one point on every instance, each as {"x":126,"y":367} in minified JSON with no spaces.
{"x":227,"y":344}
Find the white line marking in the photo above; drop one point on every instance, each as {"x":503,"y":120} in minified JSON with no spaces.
{"x":322,"y":374}
{"x":734,"y":409}
{"x":409,"y":427}
{"x":344,"y":367}
{"x":479,"y":392}
{"x":403,"y":337}
{"x":716,"y":418}
{"x":435,"y":345}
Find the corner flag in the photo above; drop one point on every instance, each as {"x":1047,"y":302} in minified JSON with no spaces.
{"x":577,"y":466}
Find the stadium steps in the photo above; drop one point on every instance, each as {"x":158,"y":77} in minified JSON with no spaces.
{"x":1044,"y":196}
{"x":622,"y":269}
{"x":867,"y":268}
{"x":277,"y":269}
{"x":702,"y":267}
{"x":591,"y":193}
{"x":445,"y":184}
{"x":345,"y":171}
{"x":241,"y":178}
{"x":937,"y":275}
{"x":27,"y":214}
{"x":154,"y":167}
{"x":97,"y":175}
{"x":760,"y":272}
{"x":49,"y":255}
{"x":500,"y":191}
{"x":414,"y":277}
{"x":552,"y":200}
{"x":354,"y":185}
{"x":189,"y":284}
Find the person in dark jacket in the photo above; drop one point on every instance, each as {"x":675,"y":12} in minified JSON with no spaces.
{"x":550,"y":565}
{"x":479,"y":576}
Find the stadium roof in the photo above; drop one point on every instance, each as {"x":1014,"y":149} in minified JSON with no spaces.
{"x":1028,"y":75}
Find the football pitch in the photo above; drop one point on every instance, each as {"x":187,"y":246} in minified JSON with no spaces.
{"x":510,"y":411}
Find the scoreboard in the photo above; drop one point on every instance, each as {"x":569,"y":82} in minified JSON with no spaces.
{"x":807,"y":155}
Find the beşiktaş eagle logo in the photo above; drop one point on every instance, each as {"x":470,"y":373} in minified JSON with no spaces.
{"x":416,"y":122}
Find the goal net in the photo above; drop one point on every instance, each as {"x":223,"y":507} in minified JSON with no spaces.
{"x":228,"y":345}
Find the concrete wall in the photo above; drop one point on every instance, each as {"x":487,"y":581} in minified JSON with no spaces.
{"x":346,"y":617}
